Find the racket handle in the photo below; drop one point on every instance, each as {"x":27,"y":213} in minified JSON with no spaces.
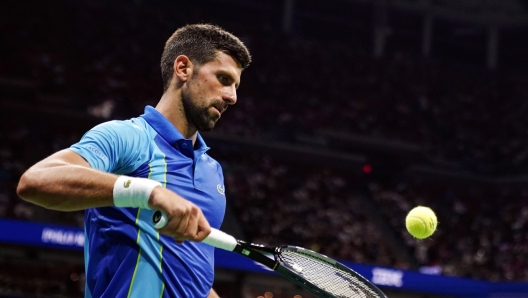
{"x":221,"y":240}
{"x":216,"y":238}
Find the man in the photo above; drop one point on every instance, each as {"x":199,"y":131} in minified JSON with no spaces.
{"x":121,"y":171}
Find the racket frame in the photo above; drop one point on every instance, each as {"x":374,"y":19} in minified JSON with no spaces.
{"x":257,"y":253}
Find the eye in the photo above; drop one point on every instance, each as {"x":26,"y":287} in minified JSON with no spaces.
{"x":223,"y":79}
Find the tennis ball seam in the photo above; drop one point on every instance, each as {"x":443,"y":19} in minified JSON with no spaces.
{"x":425,"y":226}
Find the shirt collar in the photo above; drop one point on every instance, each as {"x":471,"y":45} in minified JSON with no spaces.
{"x":165,"y":129}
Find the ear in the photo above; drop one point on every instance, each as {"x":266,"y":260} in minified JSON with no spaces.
{"x":183,"y":68}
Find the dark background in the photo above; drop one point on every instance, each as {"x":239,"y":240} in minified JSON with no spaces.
{"x":336,"y":88}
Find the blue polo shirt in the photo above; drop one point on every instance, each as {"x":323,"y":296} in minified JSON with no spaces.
{"x":124,"y":255}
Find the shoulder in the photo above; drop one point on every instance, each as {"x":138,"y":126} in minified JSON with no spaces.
{"x":117,"y":145}
{"x":119,"y":126}
{"x":128,"y":131}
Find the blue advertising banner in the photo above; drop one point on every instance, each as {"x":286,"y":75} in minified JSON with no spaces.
{"x":19,"y":232}
{"x":35,"y":234}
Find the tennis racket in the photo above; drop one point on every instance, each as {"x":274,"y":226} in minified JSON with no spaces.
{"x":316,"y":273}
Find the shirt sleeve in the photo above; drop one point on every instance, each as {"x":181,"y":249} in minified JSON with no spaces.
{"x":113,"y":147}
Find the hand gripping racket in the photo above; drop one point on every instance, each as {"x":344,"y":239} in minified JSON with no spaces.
{"x":318,"y":274}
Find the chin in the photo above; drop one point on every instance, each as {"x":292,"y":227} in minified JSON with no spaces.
{"x":207,"y":127}
{"x":205,"y":122}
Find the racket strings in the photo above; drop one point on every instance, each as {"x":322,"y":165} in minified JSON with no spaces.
{"x":327,"y":277}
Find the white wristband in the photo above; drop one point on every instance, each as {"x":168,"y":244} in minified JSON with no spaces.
{"x":133,"y":192}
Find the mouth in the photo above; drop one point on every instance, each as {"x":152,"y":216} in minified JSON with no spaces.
{"x":220,"y":108}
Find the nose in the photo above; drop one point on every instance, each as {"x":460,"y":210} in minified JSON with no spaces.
{"x":230,"y":95}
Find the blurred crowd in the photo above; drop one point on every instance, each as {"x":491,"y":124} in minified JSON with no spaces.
{"x":109,"y":67}
{"x":474,"y":121}
{"x":482,"y":231}
{"x":23,"y":144}
{"x":322,"y":209}
{"x":37,"y":279}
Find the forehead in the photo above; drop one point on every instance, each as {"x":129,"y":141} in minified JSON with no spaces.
{"x":225,"y":63}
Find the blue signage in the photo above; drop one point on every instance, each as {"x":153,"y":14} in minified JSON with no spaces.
{"x":29,"y":233}
{"x":35,"y":234}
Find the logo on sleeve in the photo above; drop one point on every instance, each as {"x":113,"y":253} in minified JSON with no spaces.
{"x":97,"y":152}
{"x":221,"y":189}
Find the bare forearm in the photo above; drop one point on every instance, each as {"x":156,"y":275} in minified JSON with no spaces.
{"x":65,"y":181}
{"x":65,"y":186}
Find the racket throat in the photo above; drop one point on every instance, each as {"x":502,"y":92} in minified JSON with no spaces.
{"x":257,"y":257}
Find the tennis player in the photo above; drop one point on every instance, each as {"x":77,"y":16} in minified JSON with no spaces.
{"x":121,"y":171}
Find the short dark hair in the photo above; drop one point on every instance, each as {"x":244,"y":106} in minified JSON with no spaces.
{"x":201,"y":43}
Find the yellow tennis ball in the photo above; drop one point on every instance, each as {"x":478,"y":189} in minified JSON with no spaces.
{"x":421,"y":222}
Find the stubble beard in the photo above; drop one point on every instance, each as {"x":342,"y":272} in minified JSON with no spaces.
{"x":197,"y":116}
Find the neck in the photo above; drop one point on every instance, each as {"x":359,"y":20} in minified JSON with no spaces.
{"x":170,"y":106}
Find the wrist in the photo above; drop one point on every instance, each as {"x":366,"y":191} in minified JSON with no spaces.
{"x":133,"y":192}
{"x":154,"y":201}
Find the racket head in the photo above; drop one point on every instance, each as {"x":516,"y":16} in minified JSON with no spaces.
{"x":323,"y":276}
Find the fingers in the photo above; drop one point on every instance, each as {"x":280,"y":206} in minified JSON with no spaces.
{"x":185,"y":220}
{"x":196,"y":228}
{"x":181,"y":228}
{"x":203,"y":228}
{"x":192,"y":226}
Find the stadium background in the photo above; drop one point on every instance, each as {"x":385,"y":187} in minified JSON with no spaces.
{"x":352,"y":113}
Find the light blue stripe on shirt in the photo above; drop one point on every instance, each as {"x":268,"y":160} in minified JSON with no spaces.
{"x":148,"y":267}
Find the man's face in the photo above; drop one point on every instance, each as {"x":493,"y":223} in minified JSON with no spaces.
{"x":210,"y":90}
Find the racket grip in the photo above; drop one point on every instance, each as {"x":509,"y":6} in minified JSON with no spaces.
{"x":221,"y":240}
{"x":216,"y":238}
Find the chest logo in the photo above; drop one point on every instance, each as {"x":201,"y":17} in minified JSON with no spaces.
{"x":220,"y":188}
